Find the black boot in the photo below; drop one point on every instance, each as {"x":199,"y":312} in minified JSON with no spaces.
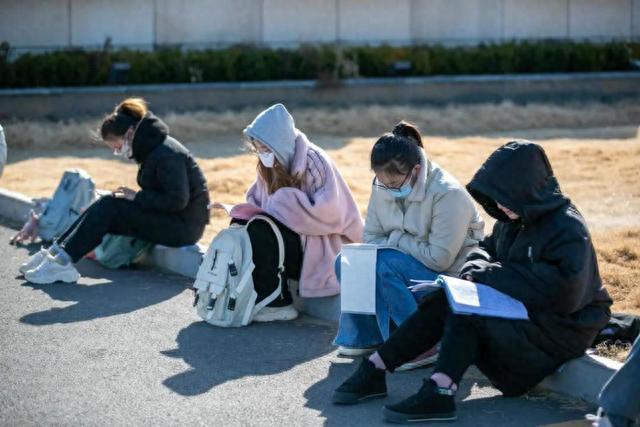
{"x":367,"y":382}
{"x":430,"y":403}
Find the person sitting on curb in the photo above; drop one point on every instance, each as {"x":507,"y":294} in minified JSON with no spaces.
{"x":171,"y":208}
{"x":540,"y":253}
{"x":620,"y":396}
{"x":301,"y":189}
{"x":426,"y":224}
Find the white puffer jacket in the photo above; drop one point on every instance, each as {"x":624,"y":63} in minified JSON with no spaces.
{"x":437,"y":223}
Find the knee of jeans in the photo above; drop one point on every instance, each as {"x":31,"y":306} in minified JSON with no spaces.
{"x":385,"y":269}
{"x":336,"y":266}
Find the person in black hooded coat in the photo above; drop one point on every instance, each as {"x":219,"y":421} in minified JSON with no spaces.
{"x":172,"y":207}
{"x":540,"y":252}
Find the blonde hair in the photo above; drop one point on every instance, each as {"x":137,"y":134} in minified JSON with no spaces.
{"x":126,"y":114}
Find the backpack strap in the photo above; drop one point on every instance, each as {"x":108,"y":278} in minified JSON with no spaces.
{"x":280,"y":241}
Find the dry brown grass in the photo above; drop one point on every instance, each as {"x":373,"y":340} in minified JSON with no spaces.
{"x":600,"y":175}
{"x":350,"y":121}
{"x":616,"y":351}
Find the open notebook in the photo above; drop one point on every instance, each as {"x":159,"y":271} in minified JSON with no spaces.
{"x":467,"y":297}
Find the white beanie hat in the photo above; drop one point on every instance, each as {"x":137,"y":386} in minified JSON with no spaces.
{"x":274,"y":127}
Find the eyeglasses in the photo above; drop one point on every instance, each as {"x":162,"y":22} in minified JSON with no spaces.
{"x":257,"y":148}
{"x":377,"y":183}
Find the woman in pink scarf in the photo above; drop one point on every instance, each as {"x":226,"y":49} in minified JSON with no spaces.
{"x":299,"y":186}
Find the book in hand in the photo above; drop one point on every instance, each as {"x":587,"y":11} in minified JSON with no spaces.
{"x":467,"y":297}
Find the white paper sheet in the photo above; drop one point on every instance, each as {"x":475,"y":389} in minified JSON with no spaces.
{"x":475,"y":298}
{"x":358,"y":278}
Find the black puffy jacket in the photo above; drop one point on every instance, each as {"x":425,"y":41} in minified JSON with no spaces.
{"x":545,"y":258}
{"x":170,"y":179}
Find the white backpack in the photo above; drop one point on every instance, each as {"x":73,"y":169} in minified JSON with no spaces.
{"x":75,"y":192}
{"x":224,"y":292}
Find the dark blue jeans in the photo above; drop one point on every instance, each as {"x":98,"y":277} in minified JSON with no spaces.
{"x":394,"y":301}
{"x":621,"y":394}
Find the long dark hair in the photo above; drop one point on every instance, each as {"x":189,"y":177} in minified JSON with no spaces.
{"x":126,"y":114}
{"x":397,"y":152}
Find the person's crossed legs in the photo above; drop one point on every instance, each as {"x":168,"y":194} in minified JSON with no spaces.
{"x":435,"y":400}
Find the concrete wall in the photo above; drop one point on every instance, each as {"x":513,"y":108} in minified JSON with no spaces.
{"x":589,"y":19}
{"x":33,"y":24}
{"x":535,"y":19}
{"x":299,"y":21}
{"x":207,"y":21}
{"x":635,"y":24}
{"x":456,"y":20}
{"x":30,"y":23}
{"x":125,"y":21}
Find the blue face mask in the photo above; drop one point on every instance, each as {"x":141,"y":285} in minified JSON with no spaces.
{"x":402,"y":193}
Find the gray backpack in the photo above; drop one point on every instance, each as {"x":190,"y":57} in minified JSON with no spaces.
{"x":224,"y":293}
{"x":75,"y":192}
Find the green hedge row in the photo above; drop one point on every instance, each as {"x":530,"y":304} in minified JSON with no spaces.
{"x":247,"y":63}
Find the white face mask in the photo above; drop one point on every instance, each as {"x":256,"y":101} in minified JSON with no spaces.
{"x":124,"y":150}
{"x":267,"y":159}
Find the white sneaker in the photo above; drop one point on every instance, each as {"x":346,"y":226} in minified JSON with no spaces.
{"x":34,"y":261}
{"x":354,"y":351}
{"x":599,"y":419}
{"x":49,"y":271}
{"x":271,"y":314}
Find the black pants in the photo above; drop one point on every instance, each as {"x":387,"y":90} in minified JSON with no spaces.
{"x":265,"y":257}
{"x":113,"y":215}
{"x":502,"y":349}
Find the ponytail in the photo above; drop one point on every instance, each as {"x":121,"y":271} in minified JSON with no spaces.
{"x":409,"y":131}
{"x":397,"y":152}
{"x":126,"y":114}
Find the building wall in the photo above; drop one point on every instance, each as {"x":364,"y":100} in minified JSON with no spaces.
{"x":536,"y":19}
{"x":126,"y":22}
{"x":34,"y":24}
{"x":299,"y":21}
{"x":206,"y":21}
{"x":456,"y":20}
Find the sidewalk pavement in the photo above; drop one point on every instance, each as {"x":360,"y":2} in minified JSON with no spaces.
{"x":125,"y":347}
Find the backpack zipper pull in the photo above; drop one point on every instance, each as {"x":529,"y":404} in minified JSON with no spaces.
{"x":212,"y":303}
{"x":530,"y":254}
{"x":196,"y":297}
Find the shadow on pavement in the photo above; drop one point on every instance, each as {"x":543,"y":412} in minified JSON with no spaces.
{"x":118,"y":292}
{"x":217,"y":355}
{"x":400,"y":386}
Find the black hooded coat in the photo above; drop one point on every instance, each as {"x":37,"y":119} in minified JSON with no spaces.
{"x":170,"y":209}
{"x":171,"y":181}
{"x":545,"y":259}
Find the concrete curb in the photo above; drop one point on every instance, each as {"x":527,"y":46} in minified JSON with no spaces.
{"x":581,"y":378}
{"x":15,"y":206}
{"x":58,"y":103}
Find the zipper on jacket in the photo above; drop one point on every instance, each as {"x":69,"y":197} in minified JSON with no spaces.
{"x":530,"y":254}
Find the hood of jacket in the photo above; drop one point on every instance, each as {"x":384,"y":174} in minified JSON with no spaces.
{"x":275,"y":128}
{"x":150,"y":133}
{"x":517,"y":175}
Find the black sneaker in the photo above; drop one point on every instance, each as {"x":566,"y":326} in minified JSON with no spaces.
{"x":430,"y":403}
{"x":367,"y":382}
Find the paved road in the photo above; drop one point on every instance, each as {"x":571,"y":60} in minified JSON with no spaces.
{"x":124,"y":347}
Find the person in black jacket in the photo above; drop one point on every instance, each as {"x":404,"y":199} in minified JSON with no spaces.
{"x":540,"y":253}
{"x":172,"y":207}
